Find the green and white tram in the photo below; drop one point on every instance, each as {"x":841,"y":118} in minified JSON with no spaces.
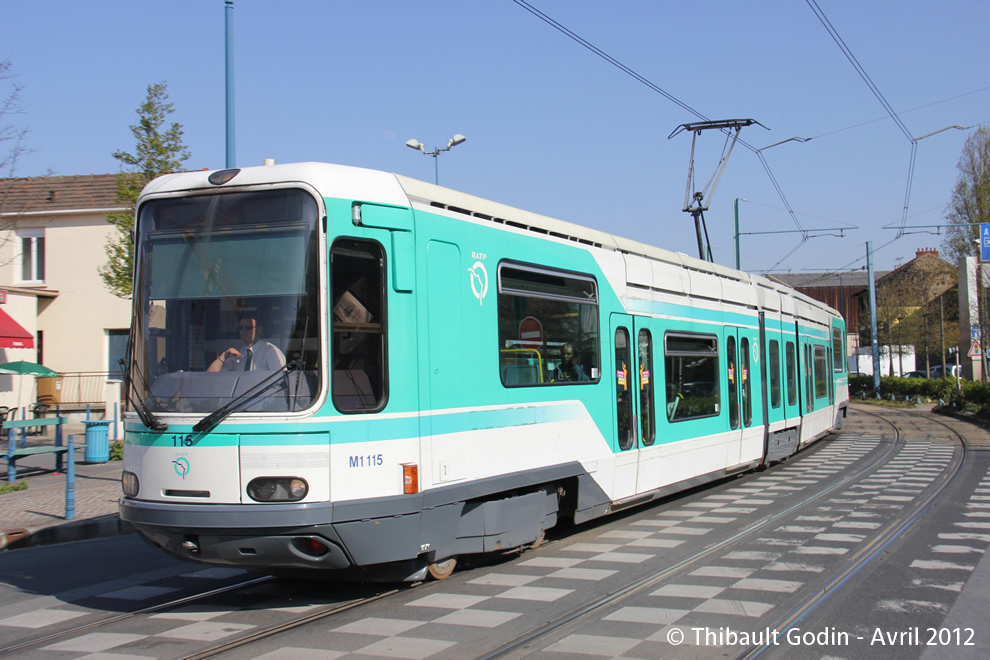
{"x":432,"y":374}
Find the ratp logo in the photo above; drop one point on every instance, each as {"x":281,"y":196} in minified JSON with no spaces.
{"x":479,"y":281}
{"x":181,"y":466}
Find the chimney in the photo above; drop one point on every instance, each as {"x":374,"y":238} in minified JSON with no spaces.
{"x":923,"y":251}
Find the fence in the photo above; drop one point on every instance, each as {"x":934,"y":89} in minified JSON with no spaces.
{"x":76,"y":388}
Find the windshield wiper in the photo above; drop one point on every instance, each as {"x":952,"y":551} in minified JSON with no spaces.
{"x":140,"y":407}
{"x":222,"y":413}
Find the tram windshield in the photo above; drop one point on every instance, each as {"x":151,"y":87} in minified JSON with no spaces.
{"x":227,"y":289}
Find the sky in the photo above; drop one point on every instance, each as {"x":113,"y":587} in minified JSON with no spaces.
{"x":551,"y":126}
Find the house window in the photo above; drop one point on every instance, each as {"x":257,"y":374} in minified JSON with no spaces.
{"x":32,"y":255}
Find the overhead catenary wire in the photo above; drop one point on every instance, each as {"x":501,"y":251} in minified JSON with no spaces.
{"x":849,"y":55}
{"x":859,"y":67}
{"x":823,"y":19}
{"x":656,"y":88}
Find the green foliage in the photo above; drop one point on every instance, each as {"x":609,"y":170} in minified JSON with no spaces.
{"x":8,"y":487}
{"x":117,"y":450}
{"x":156,"y":153}
{"x":970,"y":203}
{"x":925,"y":388}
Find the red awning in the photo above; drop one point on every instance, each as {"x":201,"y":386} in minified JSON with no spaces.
{"x":12,"y":335}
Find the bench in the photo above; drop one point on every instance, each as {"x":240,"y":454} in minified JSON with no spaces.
{"x":14,"y":452}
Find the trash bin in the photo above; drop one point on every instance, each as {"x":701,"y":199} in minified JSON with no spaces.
{"x":97,"y":440}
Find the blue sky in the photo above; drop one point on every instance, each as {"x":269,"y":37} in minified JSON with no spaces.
{"x":550,"y":127}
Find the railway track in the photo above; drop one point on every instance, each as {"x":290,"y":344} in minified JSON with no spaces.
{"x":840,"y":478}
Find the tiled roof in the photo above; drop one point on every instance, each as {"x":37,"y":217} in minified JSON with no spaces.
{"x":58,"y":193}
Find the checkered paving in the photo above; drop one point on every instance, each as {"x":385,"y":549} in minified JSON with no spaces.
{"x":738,"y":588}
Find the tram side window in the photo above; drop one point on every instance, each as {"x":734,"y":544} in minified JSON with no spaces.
{"x":747,"y":383}
{"x":547,"y":326}
{"x":732,"y":367}
{"x":648,"y":425}
{"x":792,"y":395}
{"x":357,"y":278}
{"x":821,"y":372}
{"x":838,"y":354}
{"x":774,"y":373}
{"x":691,"y":366}
{"x":623,"y":397}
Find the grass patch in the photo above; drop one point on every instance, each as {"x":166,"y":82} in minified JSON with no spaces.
{"x":9,"y":487}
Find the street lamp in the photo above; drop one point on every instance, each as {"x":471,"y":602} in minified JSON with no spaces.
{"x":451,"y":143}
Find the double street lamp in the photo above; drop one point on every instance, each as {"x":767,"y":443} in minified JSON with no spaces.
{"x":451,"y":143}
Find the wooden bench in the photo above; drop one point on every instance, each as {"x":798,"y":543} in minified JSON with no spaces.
{"x":14,"y":452}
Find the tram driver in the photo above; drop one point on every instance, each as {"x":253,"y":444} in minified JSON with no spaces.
{"x":254,"y":354}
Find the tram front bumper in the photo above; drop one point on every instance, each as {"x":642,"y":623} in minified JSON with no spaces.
{"x":263,"y":536}
{"x":306,"y":551}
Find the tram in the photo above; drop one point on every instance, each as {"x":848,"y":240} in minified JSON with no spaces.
{"x":435,"y":374}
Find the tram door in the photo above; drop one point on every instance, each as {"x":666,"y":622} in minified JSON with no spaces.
{"x":632,"y":377}
{"x":444,"y":451}
{"x":739,"y":377}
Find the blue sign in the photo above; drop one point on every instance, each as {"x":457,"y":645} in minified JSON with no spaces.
{"x":985,"y":242}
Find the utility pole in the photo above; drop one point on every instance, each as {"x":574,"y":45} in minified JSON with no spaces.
{"x":874,"y":336}
{"x":735,"y":215}
{"x":229,"y":34}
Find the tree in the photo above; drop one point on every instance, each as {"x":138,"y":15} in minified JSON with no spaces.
{"x":156,"y":153}
{"x":970,"y":203}
{"x":11,"y":135}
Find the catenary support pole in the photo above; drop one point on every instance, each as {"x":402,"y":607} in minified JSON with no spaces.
{"x":874,"y":337}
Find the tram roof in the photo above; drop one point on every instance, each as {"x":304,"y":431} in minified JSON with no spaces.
{"x":375,"y":186}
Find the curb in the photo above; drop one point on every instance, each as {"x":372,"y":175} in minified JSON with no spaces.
{"x":30,"y":537}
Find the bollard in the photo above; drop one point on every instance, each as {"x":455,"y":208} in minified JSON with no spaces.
{"x":11,"y":447}
{"x":115,"y":421}
{"x":58,"y":443}
{"x":70,"y":484}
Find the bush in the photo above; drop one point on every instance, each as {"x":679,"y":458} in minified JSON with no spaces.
{"x":117,"y":451}
{"x":925,"y":388}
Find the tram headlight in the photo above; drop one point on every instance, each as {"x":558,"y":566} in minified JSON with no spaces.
{"x":277,"y":489}
{"x":130,"y":484}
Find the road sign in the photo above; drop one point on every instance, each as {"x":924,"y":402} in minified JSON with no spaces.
{"x":974,"y":349}
{"x":974,"y":331}
{"x":985,"y":242}
{"x":530,"y":333}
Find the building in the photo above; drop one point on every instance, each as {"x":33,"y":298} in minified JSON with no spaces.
{"x":909,"y":313}
{"x":53,"y":232}
{"x":841,"y":291}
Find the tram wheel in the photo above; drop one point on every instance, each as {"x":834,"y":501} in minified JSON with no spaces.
{"x":442,"y":570}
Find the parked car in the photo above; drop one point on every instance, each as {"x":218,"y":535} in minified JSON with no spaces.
{"x":951,"y":370}
{"x":915,"y":374}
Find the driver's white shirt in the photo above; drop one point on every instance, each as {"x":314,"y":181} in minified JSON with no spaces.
{"x":265,"y":356}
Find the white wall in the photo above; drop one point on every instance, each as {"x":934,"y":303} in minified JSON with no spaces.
{"x":75,"y":322}
{"x":21,"y":308}
{"x":76,"y":311}
{"x":903,"y":357}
